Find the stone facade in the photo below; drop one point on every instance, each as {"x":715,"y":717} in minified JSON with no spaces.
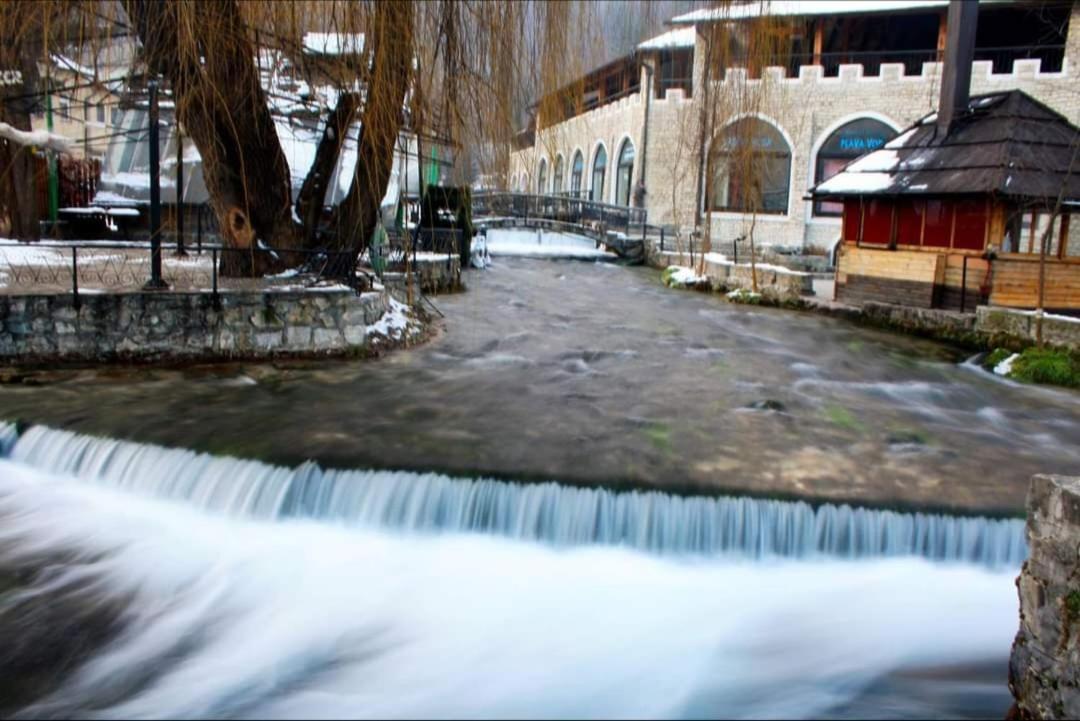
{"x":189,"y":327}
{"x":1044,"y":670}
{"x":805,"y":109}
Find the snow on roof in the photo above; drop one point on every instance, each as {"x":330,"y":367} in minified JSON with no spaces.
{"x":678,"y":38}
{"x":334,"y":43}
{"x":801,"y":7}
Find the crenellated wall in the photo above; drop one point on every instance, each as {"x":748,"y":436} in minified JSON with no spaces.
{"x":806,"y":109}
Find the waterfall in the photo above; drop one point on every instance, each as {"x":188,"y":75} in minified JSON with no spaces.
{"x":548,"y":512}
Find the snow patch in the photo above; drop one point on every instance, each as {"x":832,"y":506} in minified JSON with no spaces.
{"x":1004,"y":368}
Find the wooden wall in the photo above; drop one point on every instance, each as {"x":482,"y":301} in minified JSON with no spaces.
{"x":1015,"y":282}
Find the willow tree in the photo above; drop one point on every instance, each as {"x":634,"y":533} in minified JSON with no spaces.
{"x":20,"y":48}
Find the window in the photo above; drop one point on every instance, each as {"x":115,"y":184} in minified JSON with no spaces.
{"x":909,"y":221}
{"x":1070,"y":235}
{"x":556,"y":180}
{"x":541,"y":179}
{"x":101,"y":114}
{"x":939,"y":218}
{"x":843,"y":145}
{"x":86,"y":110}
{"x":852,"y":219}
{"x":599,"y":166}
{"x":751,"y":169}
{"x":624,"y":173}
{"x":970,"y":230}
{"x":577,"y":169}
{"x":877,"y":221}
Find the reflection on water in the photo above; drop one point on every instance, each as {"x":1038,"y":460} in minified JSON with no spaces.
{"x":590,"y":373}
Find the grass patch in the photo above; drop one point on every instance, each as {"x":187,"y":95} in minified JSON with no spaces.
{"x":1049,"y":366}
{"x":841,"y":417}
{"x":995,"y":357}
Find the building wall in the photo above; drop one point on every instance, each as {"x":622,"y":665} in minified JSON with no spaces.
{"x":806,"y":109}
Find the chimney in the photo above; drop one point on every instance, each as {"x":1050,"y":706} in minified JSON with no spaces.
{"x":959,"y":54}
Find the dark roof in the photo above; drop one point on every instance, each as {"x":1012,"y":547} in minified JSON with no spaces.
{"x":1005,"y":144}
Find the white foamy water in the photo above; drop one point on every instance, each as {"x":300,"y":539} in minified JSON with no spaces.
{"x":230,"y":617}
{"x":547,"y":512}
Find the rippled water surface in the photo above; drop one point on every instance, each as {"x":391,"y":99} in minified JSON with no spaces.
{"x":595,"y":373}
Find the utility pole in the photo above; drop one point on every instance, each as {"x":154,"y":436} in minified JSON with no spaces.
{"x":180,"y":250}
{"x":156,"y":282}
{"x":54,"y":189}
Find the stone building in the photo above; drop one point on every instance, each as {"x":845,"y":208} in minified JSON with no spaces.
{"x":843,"y":79}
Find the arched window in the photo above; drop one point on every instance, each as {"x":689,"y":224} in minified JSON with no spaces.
{"x":624,"y":173}
{"x":751,"y":169}
{"x":541,"y":179}
{"x":513,"y":182}
{"x":577,"y":169}
{"x":523,"y":184}
{"x":599,"y":167}
{"x":843,"y":145}
{"x":556,"y":180}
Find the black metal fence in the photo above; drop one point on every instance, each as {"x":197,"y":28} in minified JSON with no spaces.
{"x":97,"y":267}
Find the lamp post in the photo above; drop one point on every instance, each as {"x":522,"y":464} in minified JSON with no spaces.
{"x":156,"y":282}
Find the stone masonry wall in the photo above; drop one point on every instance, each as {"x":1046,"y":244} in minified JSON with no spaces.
{"x":187,"y":326}
{"x":777,"y":284}
{"x":1005,"y":326}
{"x":806,"y":109}
{"x":1044,"y":670}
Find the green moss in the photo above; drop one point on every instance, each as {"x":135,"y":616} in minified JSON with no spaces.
{"x":660,"y":436}
{"x":1072,"y":606}
{"x":995,"y":357}
{"x":841,"y":417}
{"x":1049,"y":366}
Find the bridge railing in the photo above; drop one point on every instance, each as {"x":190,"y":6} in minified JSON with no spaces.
{"x":563,"y":208}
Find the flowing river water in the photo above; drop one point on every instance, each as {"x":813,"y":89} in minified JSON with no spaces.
{"x":148,"y":582}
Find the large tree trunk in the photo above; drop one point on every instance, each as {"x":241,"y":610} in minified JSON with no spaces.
{"x":309,"y":203}
{"x":204,"y":50}
{"x":391,"y":32}
{"x":19,"y":51}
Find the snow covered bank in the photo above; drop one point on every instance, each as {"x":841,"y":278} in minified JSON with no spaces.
{"x":543,"y":244}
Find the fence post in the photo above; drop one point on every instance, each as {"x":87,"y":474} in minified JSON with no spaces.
{"x":963,"y":285}
{"x":213,"y":266}
{"x":156,"y":282}
{"x":691,"y":249}
{"x":661,"y":239}
{"x":75,"y":277}
{"x":180,"y":250}
{"x":735,"y":251}
{"x":198,"y":223}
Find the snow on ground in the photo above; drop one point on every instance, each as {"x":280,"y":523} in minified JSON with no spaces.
{"x":396,"y":323}
{"x":681,"y":275}
{"x":542,"y":244}
{"x":1004,"y":368}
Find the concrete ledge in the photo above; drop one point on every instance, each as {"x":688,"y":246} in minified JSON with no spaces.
{"x":165,"y":327}
{"x":776,"y":284}
{"x":1017,"y":328}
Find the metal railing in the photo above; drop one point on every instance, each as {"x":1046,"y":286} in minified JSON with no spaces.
{"x":560,"y":208}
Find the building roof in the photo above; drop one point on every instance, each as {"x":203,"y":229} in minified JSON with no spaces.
{"x":678,"y":38}
{"x":1006,"y":144}
{"x":775,"y":8}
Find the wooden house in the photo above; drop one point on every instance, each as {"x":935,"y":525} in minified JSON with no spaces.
{"x":953,"y":218}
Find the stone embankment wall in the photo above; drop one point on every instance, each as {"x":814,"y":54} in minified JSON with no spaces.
{"x":1044,"y":670}
{"x":773,"y":282}
{"x":985,"y":329}
{"x":189,"y":326}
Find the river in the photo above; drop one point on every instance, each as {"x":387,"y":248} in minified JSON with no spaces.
{"x":596,"y":374}
{"x":356,"y":579}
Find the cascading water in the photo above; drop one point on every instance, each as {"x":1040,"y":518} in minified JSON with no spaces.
{"x":548,"y":512}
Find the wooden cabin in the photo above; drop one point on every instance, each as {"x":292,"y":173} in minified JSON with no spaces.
{"x":952,"y":217}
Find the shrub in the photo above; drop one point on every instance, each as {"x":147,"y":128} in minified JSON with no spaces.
{"x":1047,"y":365}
